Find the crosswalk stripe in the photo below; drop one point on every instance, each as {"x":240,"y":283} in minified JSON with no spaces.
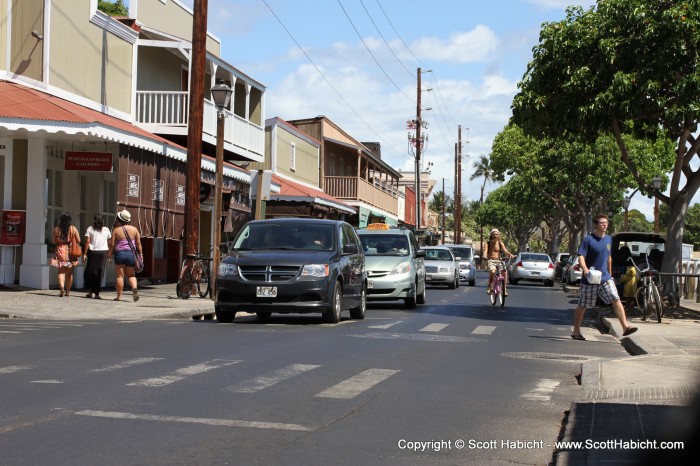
{"x":195,"y":420}
{"x":8,"y":331}
{"x":543,"y":390}
{"x":433,"y":327}
{"x":484,"y":330}
{"x":11,"y":369}
{"x":385,"y":326}
{"x":125,"y":364}
{"x":357,"y":384}
{"x":181,"y":374}
{"x":266,"y":381}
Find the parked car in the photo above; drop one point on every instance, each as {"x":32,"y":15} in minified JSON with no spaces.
{"x":534,"y":267}
{"x":441,"y":268}
{"x":293,"y":266}
{"x":559,"y":262}
{"x":467,"y":267}
{"x":571,"y":271}
{"x":394,"y":263}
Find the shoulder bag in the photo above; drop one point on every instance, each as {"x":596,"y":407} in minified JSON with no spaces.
{"x":75,"y":251}
{"x":138,"y":260}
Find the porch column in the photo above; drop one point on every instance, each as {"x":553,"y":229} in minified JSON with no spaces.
{"x":34,"y":271}
{"x":7,"y":253}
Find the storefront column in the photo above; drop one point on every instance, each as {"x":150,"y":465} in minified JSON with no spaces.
{"x":34,"y":271}
{"x":7,"y":253}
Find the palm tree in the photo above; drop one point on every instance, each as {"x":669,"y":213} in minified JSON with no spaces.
{"x":482,"y":168}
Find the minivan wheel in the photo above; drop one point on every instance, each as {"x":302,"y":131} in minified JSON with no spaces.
{"x":420,"y":298}
{"x":410,"y":303}
{"x":263,"y":315}
{"x":359,"y":311}
{"x":225,"y":317}
{"x":332,"y":315}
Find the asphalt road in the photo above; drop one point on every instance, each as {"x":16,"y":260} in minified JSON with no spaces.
{"x":456,"y":381}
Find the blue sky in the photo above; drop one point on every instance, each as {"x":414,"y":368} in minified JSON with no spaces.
{"x":367,"y":52}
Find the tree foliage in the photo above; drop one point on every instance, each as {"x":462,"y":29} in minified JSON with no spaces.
{"x":115,"y":8}
{"x":622,"y":67}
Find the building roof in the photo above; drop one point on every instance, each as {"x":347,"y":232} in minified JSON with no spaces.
{"x":293,"y":191}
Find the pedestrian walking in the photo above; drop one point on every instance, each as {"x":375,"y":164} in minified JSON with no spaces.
{"x":95,"y":255}
{"x":594,"y":254}
{"x":120,"y":251}
{"x":65,"y":237}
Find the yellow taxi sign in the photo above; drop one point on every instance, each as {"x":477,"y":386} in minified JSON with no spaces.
{"x":378,"y":226}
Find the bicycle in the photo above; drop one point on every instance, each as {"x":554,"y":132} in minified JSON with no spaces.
{"x":648,"y":296}
{"x":498,"y":287}
{"x":194,"y":274}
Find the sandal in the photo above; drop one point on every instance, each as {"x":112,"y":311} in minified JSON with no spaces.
{"x":629,"y":331}
{"x":578,"y":337}
{"x":118,"y":298}
{"x":136,"y":294}
{"x":62,"y":293}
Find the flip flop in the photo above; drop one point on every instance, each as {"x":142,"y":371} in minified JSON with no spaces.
{"x":629,"y":331}
{"x":578,"y":337}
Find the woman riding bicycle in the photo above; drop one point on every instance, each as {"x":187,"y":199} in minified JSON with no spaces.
{"x":495,"y":249}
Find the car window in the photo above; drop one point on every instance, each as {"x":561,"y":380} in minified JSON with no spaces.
{"x":287,"y":236}
{"x":438,"y":255}
{"x":463,"y":253}
{"x":536,"y":257}
{"x":385,"y":245}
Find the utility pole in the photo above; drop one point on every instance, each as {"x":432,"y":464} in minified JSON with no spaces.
{"x":194,"y":129}
{"x":455,"y":202}
{"x":419,"y":143}
{"x":443,"y":211}
{"x":459,"y":184}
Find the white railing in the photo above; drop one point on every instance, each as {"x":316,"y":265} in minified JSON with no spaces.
{"x":166,"y":108}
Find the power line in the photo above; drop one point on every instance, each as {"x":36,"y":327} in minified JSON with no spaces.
{"x":371,"y":54}
{"x":329,"y":82}
{"x":397,"y":35}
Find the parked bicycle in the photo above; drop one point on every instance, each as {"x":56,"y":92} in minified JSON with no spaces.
{"x":498,"y":287}
{"x":194,"y":276}
{"x":648,"y":295}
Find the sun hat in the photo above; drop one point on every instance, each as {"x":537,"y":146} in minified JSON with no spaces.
{"x":495,"y":230}
{"x":124,"y":216}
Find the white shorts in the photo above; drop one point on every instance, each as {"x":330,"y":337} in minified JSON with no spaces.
{"x":589,"y":293}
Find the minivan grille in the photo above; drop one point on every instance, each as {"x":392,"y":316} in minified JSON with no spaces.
{"x":268,"y":273}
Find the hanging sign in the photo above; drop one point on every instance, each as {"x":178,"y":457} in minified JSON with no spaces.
{"x":88,"y":161}
{"x":12,"y":226}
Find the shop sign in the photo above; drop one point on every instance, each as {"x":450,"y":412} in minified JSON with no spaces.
{"x":88,"y":161}
{"x":12,"y":226}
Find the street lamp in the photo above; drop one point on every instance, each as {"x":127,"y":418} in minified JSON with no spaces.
{"x":626,"y":204}
{"x":221,"y":95}
{"x":656,"y":181}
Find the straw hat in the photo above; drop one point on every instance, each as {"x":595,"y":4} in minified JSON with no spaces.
{"x":124,"y":216}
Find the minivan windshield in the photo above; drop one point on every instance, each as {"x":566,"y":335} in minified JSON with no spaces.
{"x":287,"y":236}
{"x":463,"y":253}
{"x":384,"y":245}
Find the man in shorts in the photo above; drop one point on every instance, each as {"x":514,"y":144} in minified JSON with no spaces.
{"x":594,"y":252}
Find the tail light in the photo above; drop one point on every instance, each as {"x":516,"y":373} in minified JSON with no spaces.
{"x":551,"y":266}
{"x":576,"y":267}
{"x":519,"y":264}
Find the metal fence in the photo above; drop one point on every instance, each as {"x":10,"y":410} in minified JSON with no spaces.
{"x":687,"y":280}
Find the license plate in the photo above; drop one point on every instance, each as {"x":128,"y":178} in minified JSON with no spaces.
{"x":370,"y":284}
{"x":266,"y":292}
{"x":428,"y":276}
{"x":535,"y":273}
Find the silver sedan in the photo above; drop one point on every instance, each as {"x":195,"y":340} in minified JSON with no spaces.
{"x":534,"y":267}
{"x":441,"y":268}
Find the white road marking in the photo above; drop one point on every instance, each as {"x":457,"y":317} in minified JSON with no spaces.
{"x":47,"y":381}
{"x":357,"y":384}
{"x":543,"y":390}
{"x":433,"y":327}
{"x":125,"y":364}
{"x":196,"y":420}
{"x":484,"y":330}
{"x":7,"y":331}
{"x":274,"y":377}
{"x":386,"y":326}
{"x":181,"y":374}
{"x":11,"y":369}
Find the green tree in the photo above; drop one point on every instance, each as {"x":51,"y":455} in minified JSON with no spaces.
{"x":115,"y":8}
{"x":623,"y":66}
{"x":482,"y":169}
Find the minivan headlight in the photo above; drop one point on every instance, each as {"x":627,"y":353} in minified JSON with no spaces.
{"x":403,"y":267}
{"x":228,"y":270}
{"x":315,"y":270}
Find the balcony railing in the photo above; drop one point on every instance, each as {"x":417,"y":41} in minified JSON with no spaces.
{"x":158,"y":110}
{"x":354,"y":188}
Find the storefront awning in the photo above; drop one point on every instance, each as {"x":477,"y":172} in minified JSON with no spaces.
{"x":292,"y":191}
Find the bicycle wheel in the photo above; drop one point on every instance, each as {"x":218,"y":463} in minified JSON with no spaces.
{"x":203,"y":285}
{"x":186,"y":283}
{"x":502,"y":294}
{"x":656,"y":304}
{"x":642,"y":302}
{"x":494,"y":292}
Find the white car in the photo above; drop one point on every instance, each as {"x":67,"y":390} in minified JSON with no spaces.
{"x":441,"y":267}
{"x":534,"y":267}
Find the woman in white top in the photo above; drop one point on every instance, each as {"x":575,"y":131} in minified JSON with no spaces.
{"x":95,"y":255}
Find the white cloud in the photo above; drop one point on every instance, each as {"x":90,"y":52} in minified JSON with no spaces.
{"x":476,"y":45}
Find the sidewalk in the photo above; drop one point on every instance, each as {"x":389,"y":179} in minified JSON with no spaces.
{"x":651,"y":395}
{"x":155,"y":302}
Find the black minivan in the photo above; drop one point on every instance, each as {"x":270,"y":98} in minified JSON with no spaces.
{"x":293,"y":265}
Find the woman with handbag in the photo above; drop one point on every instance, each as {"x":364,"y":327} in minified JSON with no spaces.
{"x":66,"y":253}
{"x":95,"y":255}
{"x":125,"y":249}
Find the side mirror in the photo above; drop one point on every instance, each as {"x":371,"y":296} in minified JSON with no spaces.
{"x":223,"y":249}
{"x":420,"y":253}
{"x":350,"y":249}
{"x":458,"y":258}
